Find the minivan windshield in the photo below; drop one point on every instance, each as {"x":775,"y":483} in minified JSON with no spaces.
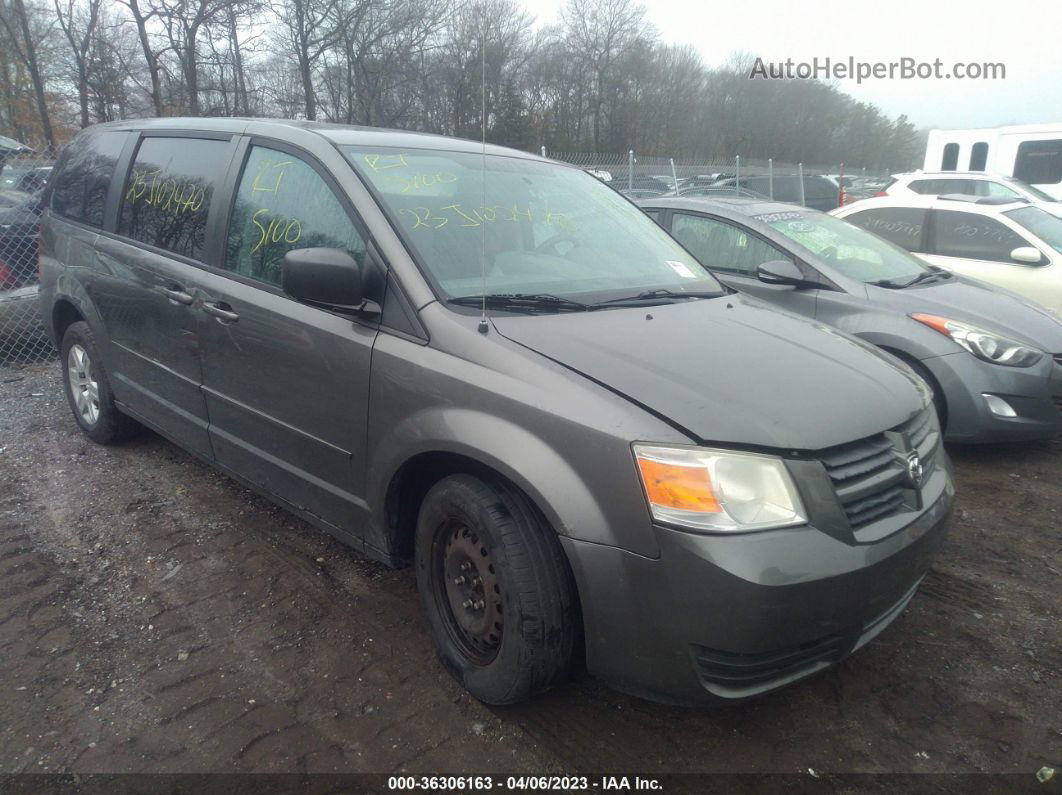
{"x":853,"y":251}
{"x":1042,"y":224}
{"x":539,"y":228}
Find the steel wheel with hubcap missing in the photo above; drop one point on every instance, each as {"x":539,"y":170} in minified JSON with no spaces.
{"x":83,"y":387}
{"x":472,"y":595}
{"x":496,"y":587}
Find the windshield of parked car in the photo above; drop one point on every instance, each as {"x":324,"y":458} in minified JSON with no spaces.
{"x":853,"y":251}
{"x":539,"y":228}
{"x":1042,"y":224}
{"x":1033,"y":191}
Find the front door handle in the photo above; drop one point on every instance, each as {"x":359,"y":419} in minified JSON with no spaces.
{"x":177,"y":294}
{"x":220,"y":310}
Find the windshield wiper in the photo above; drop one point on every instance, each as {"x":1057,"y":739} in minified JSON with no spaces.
{"x":520,"y":301}
{"x":930,"y":275}
{"x":926,"y":276}
{"x":658,"y":296}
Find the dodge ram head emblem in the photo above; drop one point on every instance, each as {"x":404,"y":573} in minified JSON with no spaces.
{"x":915,"y":471}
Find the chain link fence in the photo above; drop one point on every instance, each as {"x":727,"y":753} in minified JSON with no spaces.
{"x":640,"y":176}
{"x":23,"y":175}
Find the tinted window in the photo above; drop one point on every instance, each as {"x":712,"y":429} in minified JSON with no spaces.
{"x":950,"y":160}
{"x":971,"y":236}
{"x":167,"y":194}
{"x":901,"y":226}
{"x":283,"y":204}
{"x":936,"y":187}
{"x":986,"y":187}
{"x":721,"y":246}
{"x":978,"y":156}
{"x":79,"y":190}
{"x":1039,"y":162}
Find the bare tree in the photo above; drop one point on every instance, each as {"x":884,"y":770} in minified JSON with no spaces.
{"x":24,"y":41}
{"x":78,"y":22}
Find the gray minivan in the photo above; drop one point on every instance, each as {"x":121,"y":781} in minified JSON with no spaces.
{"x":991,"y":357}
{"x":496,"y":368}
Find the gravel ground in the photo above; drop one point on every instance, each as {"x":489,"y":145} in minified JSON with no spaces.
{"x":157,"y":617}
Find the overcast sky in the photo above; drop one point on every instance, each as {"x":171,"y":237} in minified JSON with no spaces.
{"x":1025,"y":35}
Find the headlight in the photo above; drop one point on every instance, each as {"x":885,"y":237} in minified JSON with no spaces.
{"x":983,"y":344}
{"x":718,"y":490}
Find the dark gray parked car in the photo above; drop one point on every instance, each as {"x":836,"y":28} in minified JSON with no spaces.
{"x":992,"y":358}
{"x":497,"y":368}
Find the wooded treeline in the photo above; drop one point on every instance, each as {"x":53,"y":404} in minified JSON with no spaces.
{"x":596,"y":79}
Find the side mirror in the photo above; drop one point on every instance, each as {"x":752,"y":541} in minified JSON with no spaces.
{"x":1027,"y":254}
{"x":325,"y":277}
{"x":780,"y":271}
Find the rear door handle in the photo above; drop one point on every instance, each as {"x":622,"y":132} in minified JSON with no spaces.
{"x":220,"y":310}
{"x":177,"y":294}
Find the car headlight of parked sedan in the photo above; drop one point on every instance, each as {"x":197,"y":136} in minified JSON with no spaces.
{"x":985,"y":345}
{"x":718,"y":491}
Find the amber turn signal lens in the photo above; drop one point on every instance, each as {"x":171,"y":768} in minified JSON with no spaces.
{"x":935,"y":322}
{"x":684,"y":488}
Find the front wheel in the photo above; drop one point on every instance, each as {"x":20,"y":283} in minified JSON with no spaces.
{"x":496,"y":588}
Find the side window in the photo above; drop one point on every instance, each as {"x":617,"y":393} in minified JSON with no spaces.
{"x":902,"y":226}
{"x":283,"y":204}
{"x":923,"y":186}
{"x":971,"y":236}
{"x":79,"y":190}
{"x":168,"y":191}
{"x":950,"y":160}
{"x":986,"y":187}
{"x":978,"y":156}
{"x":1039,"y":162}
{"x":654,"y":214}
{"x":722,"y":247}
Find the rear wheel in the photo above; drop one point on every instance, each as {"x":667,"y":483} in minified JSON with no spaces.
{"x":88,"y":389}
{"x":496,"y":588}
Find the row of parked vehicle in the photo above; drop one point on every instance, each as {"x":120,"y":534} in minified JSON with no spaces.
{"x":819,"y":191}
{"x":707,"y":463}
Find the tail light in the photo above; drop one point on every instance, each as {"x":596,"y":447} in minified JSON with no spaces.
{"x":880,"y":193}
{"x":7,"y":276}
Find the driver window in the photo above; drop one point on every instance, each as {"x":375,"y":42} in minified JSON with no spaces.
{"x":283,"y":204}
{"x":721,"y":246}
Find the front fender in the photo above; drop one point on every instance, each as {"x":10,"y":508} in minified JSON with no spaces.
{"x":562,"y":495}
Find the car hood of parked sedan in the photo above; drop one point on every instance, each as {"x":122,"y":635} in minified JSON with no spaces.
{"x":731,"y":370}
{"x":979,"y":304}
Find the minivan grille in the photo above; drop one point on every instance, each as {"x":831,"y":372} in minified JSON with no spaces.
{"x":869,"y":475}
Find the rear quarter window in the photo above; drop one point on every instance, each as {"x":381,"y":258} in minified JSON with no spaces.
{"x":79,"y":189}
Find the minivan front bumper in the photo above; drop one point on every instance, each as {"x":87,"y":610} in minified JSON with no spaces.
{"x":716,"y":618}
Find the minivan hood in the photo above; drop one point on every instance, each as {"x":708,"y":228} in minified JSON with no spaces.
{"x":971,"y":301}
{"x":730,"y":370}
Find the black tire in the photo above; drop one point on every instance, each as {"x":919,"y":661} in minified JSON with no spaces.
{"x":939,"y":401}
{"x":109,"y":425}
{"x":532,"y":618}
